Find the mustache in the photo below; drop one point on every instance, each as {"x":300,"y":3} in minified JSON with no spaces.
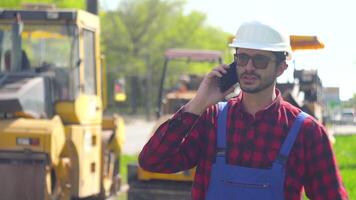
{"x":250,"y":74}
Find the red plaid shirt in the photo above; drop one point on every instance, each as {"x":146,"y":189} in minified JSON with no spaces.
{"x":187,"y":140}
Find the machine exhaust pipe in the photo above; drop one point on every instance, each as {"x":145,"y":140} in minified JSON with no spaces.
{"x":93,"y":6}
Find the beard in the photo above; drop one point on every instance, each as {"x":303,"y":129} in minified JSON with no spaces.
{"x":263,"y":85}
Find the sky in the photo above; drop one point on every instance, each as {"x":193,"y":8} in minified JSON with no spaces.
{"x":333,"y":22}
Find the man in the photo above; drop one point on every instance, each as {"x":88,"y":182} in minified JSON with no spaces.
{"x":184,"y":81}
{"x":262,"y":157}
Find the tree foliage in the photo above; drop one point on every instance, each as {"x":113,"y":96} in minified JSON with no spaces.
{"x":136,"y":34}
{"x":59,"y":3}
{"x":351,"y":103}
{"x":145,"y":28}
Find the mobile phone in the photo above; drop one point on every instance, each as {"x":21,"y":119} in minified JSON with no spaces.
{"x":229,"y":79}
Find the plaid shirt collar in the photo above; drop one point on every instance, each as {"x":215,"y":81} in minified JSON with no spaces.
{"x":268,"y":111}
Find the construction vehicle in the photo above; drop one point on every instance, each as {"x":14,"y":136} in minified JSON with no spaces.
{"x":166,"y":103}
{"x":55,"y":142}
{"x":305,"y":93}
{"x":146,"y":185}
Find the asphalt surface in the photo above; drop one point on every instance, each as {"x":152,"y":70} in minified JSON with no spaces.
{"x":138,"y":131}
{"x":345,"y":129}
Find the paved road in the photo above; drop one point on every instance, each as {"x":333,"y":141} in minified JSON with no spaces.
{"x":342,"y":129}
{"x":137,"y":131}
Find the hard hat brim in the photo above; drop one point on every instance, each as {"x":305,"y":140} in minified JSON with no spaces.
{"x":264,"y":47}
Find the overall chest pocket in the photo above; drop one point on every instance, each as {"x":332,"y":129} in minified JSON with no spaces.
{"x":245,"y":184}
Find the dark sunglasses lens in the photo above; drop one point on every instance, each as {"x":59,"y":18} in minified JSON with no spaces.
{"x":260,"y":61}
{"x":242,"y":59}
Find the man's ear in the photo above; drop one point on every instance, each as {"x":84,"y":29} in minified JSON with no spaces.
{"x":281,"y":67}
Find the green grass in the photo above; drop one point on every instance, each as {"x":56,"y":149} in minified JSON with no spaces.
{"x":344,"y":147}
{"x":345,"y":150}
{"x":125,"y":160}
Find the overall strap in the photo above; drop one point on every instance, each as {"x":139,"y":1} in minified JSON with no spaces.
{"x":291,"y":136}
{"x":221,"y":134}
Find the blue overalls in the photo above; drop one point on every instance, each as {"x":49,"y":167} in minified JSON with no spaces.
{"x":231,"y":182}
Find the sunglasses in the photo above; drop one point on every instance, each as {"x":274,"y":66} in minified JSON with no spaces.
{"x":258,"y":60}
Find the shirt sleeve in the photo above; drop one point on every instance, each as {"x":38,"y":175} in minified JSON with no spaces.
{"x":174,"y":146}
{"x":323,"y":179}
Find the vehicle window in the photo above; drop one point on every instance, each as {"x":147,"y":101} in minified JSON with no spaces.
{"x":89,"y":62}
{"x":45,"y":47}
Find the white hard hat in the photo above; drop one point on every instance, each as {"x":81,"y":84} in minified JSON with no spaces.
{"x":262,"y":36}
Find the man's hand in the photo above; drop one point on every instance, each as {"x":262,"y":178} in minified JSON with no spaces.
{"x":208,"y":92}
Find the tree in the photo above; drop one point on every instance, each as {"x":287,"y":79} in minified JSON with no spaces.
{"x":135,"y":36}
{"x":59,"y":3}
{"x":351,"y":103}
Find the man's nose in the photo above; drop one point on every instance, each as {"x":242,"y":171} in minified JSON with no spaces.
{"x":250,"y":66}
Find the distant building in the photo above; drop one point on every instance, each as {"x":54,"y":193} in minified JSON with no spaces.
{"x":331,"y":95}
{"x":331,"y":102}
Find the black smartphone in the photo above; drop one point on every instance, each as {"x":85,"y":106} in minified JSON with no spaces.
{"x":229,"y":79}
